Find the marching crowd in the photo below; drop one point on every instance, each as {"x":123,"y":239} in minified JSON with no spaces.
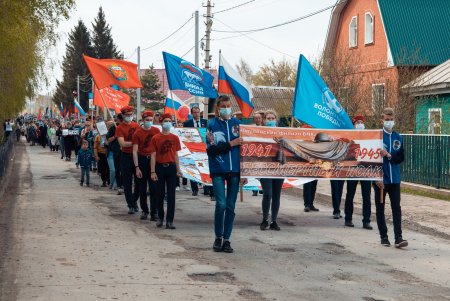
{"x":141,"y":162}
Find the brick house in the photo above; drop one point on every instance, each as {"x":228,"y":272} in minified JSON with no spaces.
{"x":376,"y":46}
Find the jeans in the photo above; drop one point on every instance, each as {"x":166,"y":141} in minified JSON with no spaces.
{"x":61,"y":142}
{"x":128,"y":172}
{"x":144,"y":166}
{"x":351,"y":190}
{"x":85,"y":172}
{"x":225,"y":204}
{"x":194,"y":186}
{"x":271,"y":192}
{"x":309,"y":193}
{"x":337,"y":187}
{"x":118,"y":167}
{"x":167,"y":176}
{"x":103,"y":168}
{"x":394,"y":195}
{"x":112,"y":170}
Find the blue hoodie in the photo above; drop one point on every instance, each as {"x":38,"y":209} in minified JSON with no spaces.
{"x":393,"y":144}
{"x":223,"y":159}
{"x":85,"y":158}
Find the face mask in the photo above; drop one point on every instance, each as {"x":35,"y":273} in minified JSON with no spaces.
{"x":388,"y":125}
{"x":224,"y":112}
{"x":167,"y":125}
{"x":271,"y":123}
{"x":360,"y":126}
{"x":128,"y":118}
{"x":148,"y":124}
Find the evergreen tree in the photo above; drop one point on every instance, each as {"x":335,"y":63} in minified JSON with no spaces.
{"x":73,"y":65}
{"x":150,"y":92}
{"x":104,"y":47}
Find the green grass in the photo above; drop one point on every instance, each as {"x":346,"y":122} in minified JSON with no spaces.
{"x":427,"y":194}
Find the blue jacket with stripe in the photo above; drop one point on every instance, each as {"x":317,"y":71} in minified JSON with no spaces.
{"x":393,"y":144}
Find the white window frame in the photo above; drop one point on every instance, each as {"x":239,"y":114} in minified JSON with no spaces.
{"x":384,"y":95}
{"x":432,"y":126}
{"x":366,"y":41}
{"x":350,"y":33}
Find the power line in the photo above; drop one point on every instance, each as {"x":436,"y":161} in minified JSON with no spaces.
{"x":233,"y":7}
{"x":156,"y":44}
{"x":190,"y":49}
{"x":280,"y":24}
{"x":131,"y":55}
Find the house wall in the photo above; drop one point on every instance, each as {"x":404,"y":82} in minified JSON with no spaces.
{"x":423,"y":104}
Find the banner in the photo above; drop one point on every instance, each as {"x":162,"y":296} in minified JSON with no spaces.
{"x":272,"y":152}
{"x":314,"y":103}
{"x":114,"y":99}
{"x":183,"y":75}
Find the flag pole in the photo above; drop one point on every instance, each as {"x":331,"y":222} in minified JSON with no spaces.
{"x":104,"y":103}
{"x":173,"y":104}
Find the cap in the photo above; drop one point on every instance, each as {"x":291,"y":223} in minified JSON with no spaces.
{"x":357,"y":118}
{"x":126,"y":109}
{"x":147,"y":113}
{"x":164,"y":116}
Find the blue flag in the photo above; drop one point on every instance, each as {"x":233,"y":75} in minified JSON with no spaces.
{"x":314,"y":103}
{"x":183,"y":75}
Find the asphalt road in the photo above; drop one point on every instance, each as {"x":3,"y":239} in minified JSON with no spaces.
{"x":60,"y":241}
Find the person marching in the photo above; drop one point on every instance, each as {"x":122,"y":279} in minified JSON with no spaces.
{"x":271,"y":187}
{"x":124,"y":134}
{"x":196,"y":122}
{"x":141,"y":158}
{"x":100,"y":155}
{"x":358,"y":122}
{"x":165,"y":168}
{"x":85,"y":160}
{"x":393,"y":154}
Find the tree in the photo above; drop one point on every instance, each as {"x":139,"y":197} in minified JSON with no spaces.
{"x":73,"y":65}
{"x":104,"y":46}
{"x":280,"y":74}
{"x":150,"y":93}
{"x":245,"y":71}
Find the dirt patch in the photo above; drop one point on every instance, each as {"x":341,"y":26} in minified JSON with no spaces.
{"x":285,"y":250}
{"x":334,"y":249}
{"x":222,"y":277}
{"x":54,"y":177}
{"x":250,"y":294}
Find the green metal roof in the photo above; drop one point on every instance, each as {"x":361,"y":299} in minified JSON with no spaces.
{"x":418,"y":31}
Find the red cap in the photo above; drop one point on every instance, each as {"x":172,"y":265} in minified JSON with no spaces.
{"x":357,"y":118}
{"x":147,"y":113}
{"x":164,"y":116}
{"x":126,"y":109}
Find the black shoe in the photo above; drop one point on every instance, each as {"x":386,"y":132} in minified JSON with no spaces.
{"x":367,"y":226}
{"x":170,"y":226}
{"x":87,"y":184}
{"x":255,"y":193}
{"x":104,"y":184}
{"x":160,"y":223}
{"x":401,"y":243}
{"x":349,"y":224}
{"x":213,"y":199}
{"x":306,"y":209}
{"x":81,"y":183}
{"x":226,"y":247}
{"x":136,"y":209}
{"x":144,"y":216}
{"x":274,"y":226}
{"x":337,"y":216}
{"x":313,"y":208}
{"x":264,"y":224}
{"x":217,"y":246}
{"x":130,"y":210}
{"x":385,"y":242}
{"x":154,"y":218}
{"x":194,"y":193}
{"x":260,"y":192}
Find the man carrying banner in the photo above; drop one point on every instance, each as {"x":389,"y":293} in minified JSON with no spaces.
{"x":141,"y":158}
{"x":196,"y":122}
{"x":393,"y":155}
{"x":223,"y":143}
{"x":124,"y":134}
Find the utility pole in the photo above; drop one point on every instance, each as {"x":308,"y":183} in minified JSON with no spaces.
{"x":197,"y":42}
{"x":138,"y":92}
{"x":208,"y":24}
{"x":78,"y":92}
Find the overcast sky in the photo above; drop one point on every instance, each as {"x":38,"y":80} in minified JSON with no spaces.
{"x":146,"y":22}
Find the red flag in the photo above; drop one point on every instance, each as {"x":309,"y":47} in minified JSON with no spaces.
{"x":114,"y":99}
{"x":107,"y":72}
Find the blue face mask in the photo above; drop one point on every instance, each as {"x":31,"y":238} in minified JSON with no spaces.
{"x":224,"y":112}
{"x":271,"y":123}
{"x":148,"y":124}
{"x":167,"y":125}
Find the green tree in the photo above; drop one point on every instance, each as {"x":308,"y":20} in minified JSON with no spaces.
{"x":280,"y":74}
{"x":104,"y":46}
{"x":151,"y":94}
{"x":73,"y":65}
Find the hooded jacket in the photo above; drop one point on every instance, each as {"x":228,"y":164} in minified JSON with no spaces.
{"x":393,"y":144}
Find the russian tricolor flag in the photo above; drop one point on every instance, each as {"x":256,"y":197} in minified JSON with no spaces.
{"x":230,"y":82}
{"x":174,"y":106}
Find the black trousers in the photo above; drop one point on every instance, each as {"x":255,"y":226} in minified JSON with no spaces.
{"x":118,"y":168}
{"x":103,"y":167}
{"x":309,"y":193}
{"x":337,"y":187}
{"x":128,"y":173}
{"x":365,"y":191}
{"x":167,"y":179}
{"x":394,"y":195}
{"x":144,"y":166}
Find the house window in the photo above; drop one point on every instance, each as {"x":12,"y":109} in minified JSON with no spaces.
{"x":434,"y":121}
{"x":344,"y":93}
{"x":353,"y":32}
{"x":368,"y":37}
{"x":378,"y":97}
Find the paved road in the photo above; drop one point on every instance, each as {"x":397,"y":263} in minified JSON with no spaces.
{"x":60,"y":241}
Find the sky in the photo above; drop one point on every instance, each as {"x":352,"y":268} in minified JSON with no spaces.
{"x":146,"y":22}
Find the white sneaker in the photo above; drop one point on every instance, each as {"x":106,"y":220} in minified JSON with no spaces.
{"x":177,"y":189}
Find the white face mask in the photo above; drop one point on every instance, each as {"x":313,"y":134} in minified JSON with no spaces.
{"x":388,"y":124}
{"x":128,"y":118}
{"x":360,"y":126}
